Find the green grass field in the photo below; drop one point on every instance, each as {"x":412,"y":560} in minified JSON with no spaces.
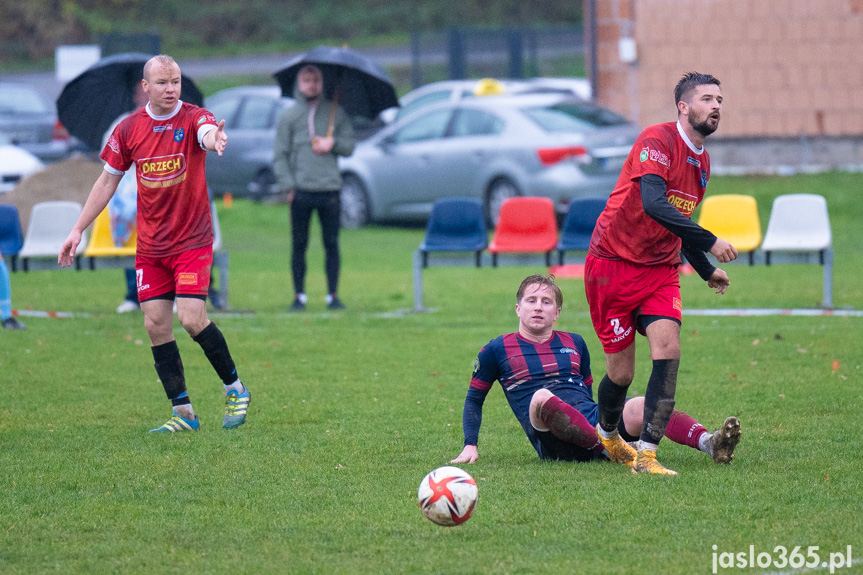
{"x":350,"y":410}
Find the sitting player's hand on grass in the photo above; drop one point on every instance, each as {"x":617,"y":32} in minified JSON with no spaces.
{"x":719,"y":280}
{"x":468,"y":455}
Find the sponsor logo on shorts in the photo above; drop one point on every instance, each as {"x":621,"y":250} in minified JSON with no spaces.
{"x":685,"y":203}
{"x":163,"y":171}
{"x":619,"y":331}
{"x":623,"y":336}
{"x":677,"y":304}
{"x":187,"y":279}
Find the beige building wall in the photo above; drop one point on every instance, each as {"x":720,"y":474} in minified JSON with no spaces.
{"x":787,"y":67}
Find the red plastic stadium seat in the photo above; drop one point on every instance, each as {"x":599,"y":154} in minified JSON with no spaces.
{"x":526,"y":225}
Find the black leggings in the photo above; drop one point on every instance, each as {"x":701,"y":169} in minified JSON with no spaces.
{"x":329,"y":208}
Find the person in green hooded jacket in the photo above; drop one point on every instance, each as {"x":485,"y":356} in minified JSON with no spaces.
{"x":310,"y":135}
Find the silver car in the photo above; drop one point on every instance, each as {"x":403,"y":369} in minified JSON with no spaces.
{"x":454,"y":90}
{"x":549,"y":145}
{"x":30,"y":122}
{"x":250,"y":114}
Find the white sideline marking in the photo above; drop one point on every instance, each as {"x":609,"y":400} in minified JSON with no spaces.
{"x":70,"y":314}
{"x":774,"y":311}
{"x":741,"y":312}
{"x":34,"y":313}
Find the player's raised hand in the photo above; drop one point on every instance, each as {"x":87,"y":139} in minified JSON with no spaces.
{"x":67,"y":252}
{"x":719,"y":280}
{"x":221,"y":139}
{"x":468,"y":455}
{"x":723,"y":251}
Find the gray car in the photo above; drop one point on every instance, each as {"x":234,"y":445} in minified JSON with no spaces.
{"x":30,"y":122}
{"x":549,"y":145}
{"x":250,"y":114}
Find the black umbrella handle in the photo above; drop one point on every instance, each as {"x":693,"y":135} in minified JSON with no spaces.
{"x":333,"y":105}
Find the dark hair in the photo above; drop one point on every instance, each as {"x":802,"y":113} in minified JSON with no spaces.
{"x":689,"y":82}
{"x":545,"y":280}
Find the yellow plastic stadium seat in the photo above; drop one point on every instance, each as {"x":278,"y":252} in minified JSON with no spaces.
{"x":734,"y":218}
{"x":101,"y":242}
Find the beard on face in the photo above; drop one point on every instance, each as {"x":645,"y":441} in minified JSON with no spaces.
{"x":703,"y":127}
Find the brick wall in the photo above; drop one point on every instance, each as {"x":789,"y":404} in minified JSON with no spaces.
{"x":788,"y":67}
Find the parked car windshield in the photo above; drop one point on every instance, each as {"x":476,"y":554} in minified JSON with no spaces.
{"x":423,"y":101}
{"x":14,"y":99}
{"x":257,"y":113}
{"x":476,"y":123}
{"x":573,"y":117}
{"x":431,"y":126}
{"x":223,"y":107}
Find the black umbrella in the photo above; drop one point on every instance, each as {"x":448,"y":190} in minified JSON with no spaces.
{"x":362,"y":85}
{"x":90,"y":102}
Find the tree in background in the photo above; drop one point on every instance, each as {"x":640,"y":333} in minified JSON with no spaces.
{"x":30,"y":30}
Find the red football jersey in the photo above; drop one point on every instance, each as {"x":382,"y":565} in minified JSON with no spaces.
{"x":624,"y":230}
{"x":173,"y":204}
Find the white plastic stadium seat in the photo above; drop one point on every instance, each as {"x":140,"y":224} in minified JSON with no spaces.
{"x":798,"y":228}
{"x":798,"y":222}
{"x":50,"y":224}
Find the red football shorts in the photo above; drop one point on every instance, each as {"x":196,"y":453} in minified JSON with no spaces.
{"x":619,"y":291}
{"x":186,"y":273}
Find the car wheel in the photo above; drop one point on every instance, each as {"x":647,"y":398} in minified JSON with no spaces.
{"x":500,"y":190}
{"x":355,"y":202}
{"x":263,"y":185}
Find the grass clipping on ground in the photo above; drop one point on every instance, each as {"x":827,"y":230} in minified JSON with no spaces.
{"x":69,"y":180}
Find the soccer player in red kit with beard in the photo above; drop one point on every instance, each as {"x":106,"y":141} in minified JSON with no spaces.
{"x":168,"y":141}
{"x":631,"y":277}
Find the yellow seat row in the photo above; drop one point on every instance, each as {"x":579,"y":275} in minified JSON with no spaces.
{"x":102,"y":243}
{"x":734,"y":218}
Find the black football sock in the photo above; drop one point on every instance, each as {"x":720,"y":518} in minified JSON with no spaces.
{"x":611,"y":398}
{"x":169,"y":368}
{"x":659,"y":399}
{"x":213,"y":343}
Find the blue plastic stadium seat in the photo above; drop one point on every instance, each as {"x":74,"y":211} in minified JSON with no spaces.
{"x":11,"y":235}
{"x":578,"y":225}
{"x":455,"y":225}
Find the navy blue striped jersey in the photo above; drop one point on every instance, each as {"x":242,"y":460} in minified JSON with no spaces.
{"x":561,"y":365}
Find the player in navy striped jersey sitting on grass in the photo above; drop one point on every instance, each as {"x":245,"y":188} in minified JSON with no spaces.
{"x":546,"y":378}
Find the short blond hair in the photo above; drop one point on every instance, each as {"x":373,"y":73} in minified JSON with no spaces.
{"x":543,"y":280}
{"x":160,"y":60}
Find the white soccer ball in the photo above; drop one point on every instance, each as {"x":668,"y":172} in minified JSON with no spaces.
{"x":447,"y":496}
